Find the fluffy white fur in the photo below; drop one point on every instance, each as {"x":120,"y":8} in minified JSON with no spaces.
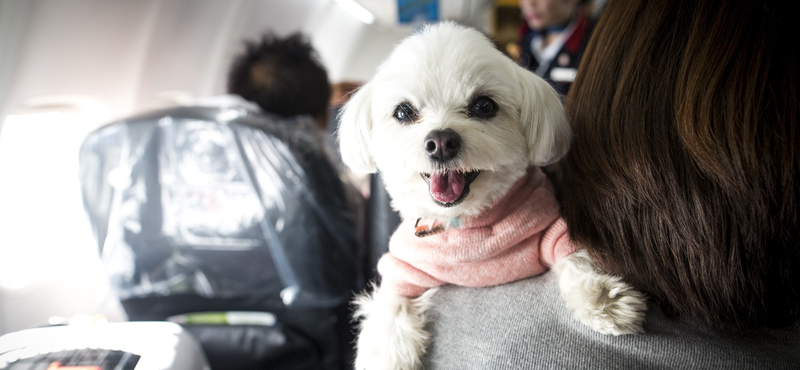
{"x":392,"y":334}
{"x":440,"y":71}
{"x":603,"y":302}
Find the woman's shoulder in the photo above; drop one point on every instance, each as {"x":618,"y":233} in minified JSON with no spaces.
{"x":526,"y":325}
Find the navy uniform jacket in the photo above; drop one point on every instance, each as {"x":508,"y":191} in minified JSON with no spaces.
{"x":559,"y":72}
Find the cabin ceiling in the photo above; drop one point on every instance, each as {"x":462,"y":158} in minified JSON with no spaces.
{"x":129,"y":56}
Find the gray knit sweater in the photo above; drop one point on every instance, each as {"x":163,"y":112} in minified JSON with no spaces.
{"x":525,"y":325}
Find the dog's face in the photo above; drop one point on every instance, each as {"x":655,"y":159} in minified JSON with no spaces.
{"x":451,"y":123}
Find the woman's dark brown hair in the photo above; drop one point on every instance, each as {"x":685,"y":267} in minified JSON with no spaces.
{"x":683,"y":174}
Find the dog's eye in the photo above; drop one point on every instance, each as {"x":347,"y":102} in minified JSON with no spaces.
{"x":405,"y":113}
{"x":483,"y":107}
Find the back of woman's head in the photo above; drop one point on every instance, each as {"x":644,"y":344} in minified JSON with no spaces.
{"x":684,"y":172}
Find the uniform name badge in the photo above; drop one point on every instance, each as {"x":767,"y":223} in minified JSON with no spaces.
{"x":563,"y":74}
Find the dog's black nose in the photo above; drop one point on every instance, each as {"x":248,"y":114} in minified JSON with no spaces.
{"x":442,"y":145}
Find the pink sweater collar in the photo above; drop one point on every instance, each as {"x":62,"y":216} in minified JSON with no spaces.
{"x":516,"y":238}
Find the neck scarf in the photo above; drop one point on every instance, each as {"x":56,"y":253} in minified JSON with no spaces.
{"x":521,"y":236}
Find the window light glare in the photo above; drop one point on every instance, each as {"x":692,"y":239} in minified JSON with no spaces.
{"x":43,"y":230}
{"x":357,"y":11}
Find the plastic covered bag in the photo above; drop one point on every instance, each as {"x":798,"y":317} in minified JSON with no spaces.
{"x":220,"y":202}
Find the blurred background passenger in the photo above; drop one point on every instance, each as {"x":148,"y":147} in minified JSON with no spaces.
{"x":684,"y":179}
{"x":553,"y":37}
{"x":283,"y":76}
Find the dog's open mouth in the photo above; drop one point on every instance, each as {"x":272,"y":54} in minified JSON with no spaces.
{"x":451,"y":187}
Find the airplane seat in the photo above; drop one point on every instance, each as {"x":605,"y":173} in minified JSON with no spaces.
{"x":235,"y":224}
{"x":382,"y":223}
{"x":380,"y":220}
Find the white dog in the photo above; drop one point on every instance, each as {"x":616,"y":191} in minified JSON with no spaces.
{"x":453,"y":125}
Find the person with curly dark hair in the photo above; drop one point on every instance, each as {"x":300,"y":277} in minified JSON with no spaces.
{"x":284,"y":76}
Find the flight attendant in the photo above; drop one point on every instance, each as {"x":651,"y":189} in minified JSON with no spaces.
{"x":553,"y":37}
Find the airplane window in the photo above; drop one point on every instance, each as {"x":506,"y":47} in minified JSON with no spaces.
{"x":44,"y":233}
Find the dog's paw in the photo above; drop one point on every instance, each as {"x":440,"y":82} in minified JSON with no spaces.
{"x":603,"y":302}
{"x":392,"y":332}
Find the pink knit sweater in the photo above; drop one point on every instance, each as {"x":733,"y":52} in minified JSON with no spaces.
{"x":521,"y":236}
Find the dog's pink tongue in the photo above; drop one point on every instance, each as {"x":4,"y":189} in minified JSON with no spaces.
{"x":447,"y":187}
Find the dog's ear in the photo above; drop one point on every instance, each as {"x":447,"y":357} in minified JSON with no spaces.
{"x":355,"y":124}
{"x":543,"y":121}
